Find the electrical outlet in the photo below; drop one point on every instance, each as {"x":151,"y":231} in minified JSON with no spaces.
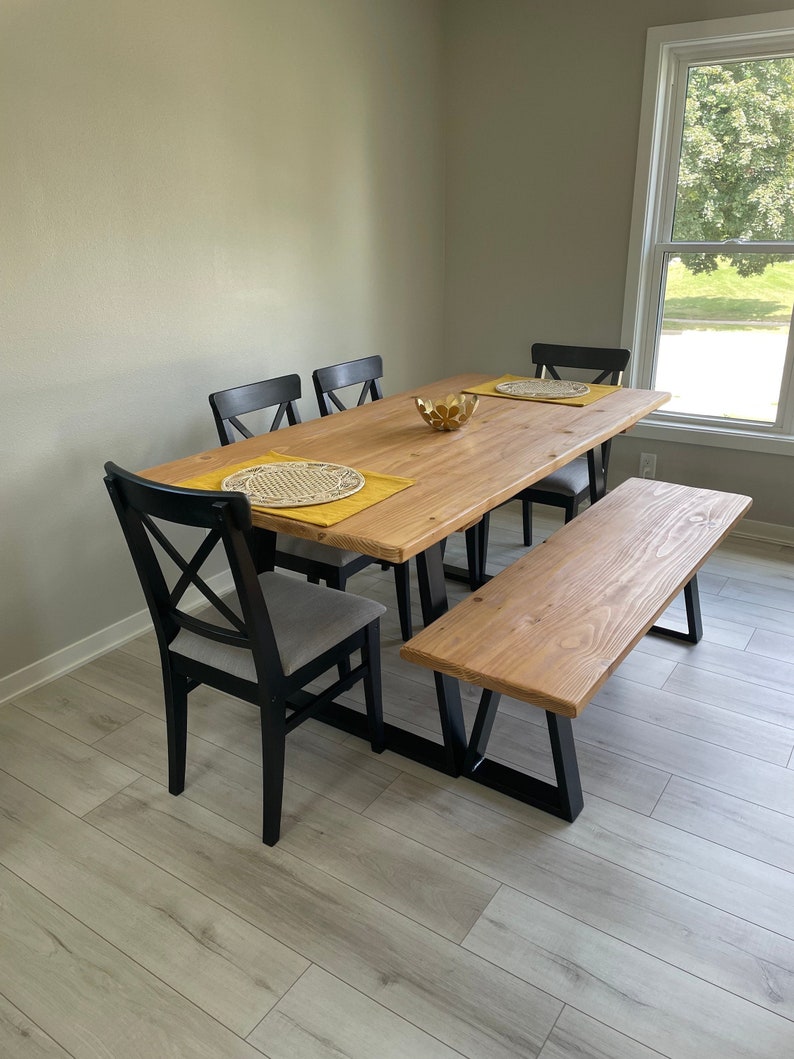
{"x":647,"y":465}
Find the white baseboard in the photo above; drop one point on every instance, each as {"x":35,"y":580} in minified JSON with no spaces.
{"x":98,"y":643}
{"x":765,"y":531}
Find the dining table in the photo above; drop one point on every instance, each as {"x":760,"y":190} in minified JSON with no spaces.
{"x":451,"y":480}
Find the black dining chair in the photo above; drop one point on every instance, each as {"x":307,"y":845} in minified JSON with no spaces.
{"x":263,"y":643}
{"x":316,"y":561}
{"x":367,"y":373}
{"x":568,"y":486}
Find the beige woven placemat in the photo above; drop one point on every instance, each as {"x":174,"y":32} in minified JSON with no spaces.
{"x":377,"y":487}
{"x":542,"y":388}
{"x":295,"y":484}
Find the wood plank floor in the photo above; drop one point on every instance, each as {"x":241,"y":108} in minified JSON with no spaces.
{"x":404,"y":912}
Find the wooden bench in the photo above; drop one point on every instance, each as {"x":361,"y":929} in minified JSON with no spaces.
{"x":552,"y":627}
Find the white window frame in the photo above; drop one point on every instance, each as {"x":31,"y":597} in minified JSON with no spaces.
{"x":670,"y":49}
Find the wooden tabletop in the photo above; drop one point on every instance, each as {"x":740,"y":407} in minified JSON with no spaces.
{"x":507,"y":446}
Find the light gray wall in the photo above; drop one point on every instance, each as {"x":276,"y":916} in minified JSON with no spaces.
{"x":542,"y":110}
{"x":195,"y":193}
{"x":201,"y":192}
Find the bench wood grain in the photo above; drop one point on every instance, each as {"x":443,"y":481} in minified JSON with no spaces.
{"x":552,"y":627}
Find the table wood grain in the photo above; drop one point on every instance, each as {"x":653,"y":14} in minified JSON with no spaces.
{"x":507,"y":446}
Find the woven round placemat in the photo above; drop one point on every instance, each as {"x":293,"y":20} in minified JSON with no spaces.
{"x":543,"y":388}
{"x":294,"y":484}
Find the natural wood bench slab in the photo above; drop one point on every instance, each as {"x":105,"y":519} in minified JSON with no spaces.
{"x":551,"y":628}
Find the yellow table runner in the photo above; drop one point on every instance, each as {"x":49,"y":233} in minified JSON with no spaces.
{"x":376,"y":487}
{"x":488,"y":389}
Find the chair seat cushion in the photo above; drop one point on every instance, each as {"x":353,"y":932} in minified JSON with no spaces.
{"x":314,"y":551}
{"x":570,"y":480}
{"x":307,"y":620}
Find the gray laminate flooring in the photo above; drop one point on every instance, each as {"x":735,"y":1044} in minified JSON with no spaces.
{"x":404,"y":913}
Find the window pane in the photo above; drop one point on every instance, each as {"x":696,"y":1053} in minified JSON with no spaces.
{"x":722,"y":346}
{"x":736,"y":174}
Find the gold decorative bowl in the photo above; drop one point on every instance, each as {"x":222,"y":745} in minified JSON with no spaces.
{"x":448,"y":413}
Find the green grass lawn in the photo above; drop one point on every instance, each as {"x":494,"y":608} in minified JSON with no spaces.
{"x":727,"y":297}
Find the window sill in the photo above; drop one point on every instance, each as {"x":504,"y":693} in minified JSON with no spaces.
{"x":658,"y":428}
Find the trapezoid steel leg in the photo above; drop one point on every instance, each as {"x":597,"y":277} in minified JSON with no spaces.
{"x":481,"y":730}
{"x":433,"y":598}
{"x":694,"y":618}
{"x":566,"y":767}
{"x":565,"y":800}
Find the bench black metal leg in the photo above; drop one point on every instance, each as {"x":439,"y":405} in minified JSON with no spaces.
{"x":566,"y":767}
{"x":565,"y":800}
{"x":481,"y":730}
{"x":694,"y":619}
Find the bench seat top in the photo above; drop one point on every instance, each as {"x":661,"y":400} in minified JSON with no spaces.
{"x":552,"y":627}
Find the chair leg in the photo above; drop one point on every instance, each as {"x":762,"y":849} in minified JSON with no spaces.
{"x":402,"y":584}
{"x":373,"y":697}
{"x":175,"y":688}
{"x":571,"y":510}
{"x":526,"y":515}
{"x":273,"y":724}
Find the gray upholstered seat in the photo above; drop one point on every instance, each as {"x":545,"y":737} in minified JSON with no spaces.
{"x":307,"y":620}
{"x":570,"y":480}
{"x":313,"y":551}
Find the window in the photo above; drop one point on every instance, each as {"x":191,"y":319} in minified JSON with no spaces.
{"x":710,"y":287}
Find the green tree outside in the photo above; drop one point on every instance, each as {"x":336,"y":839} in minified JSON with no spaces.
{"x":736,"y":176}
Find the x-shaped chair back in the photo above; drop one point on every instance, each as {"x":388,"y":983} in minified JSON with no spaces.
{"x":608,"y":364}
{"x":368,"y":371}
{"x":228,"y":405}
{"x":226,"y":520}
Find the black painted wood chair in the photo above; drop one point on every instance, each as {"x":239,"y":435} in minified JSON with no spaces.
{"x":229,"y":405}
{"x":568,"y":486}
{"x":263,"y":643}
{"x":367,"y":373}
{"x":318,"y":562}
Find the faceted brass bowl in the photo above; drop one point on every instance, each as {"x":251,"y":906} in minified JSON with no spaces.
{"x":448,"y":413}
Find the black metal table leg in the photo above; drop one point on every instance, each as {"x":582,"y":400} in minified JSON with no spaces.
{"x":595,"y":468}
{"x":473,"y":574}
{"x":433,"y":598}
{"x":262,"y":543}
{"x":446,"y":757}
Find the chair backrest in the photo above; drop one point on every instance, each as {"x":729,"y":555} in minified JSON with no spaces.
{"x":228,"y":405}
{"x":166,"y":572}
{"x":368,"y":371}
{"x":608,"y":364}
